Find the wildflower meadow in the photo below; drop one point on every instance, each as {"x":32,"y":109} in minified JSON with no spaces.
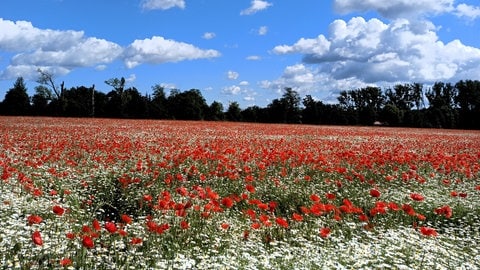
{"x":144,"y":194}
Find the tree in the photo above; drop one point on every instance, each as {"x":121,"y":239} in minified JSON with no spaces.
{"x":188,"y":105}
{"x":158,"y":104}
{"x":468,"y":102}
{"x":234,"y":113}
{"x":291,"y":100}
{"x":441,"y":112}
{"x":215,"y":112}
{"x":57,"y":104}
{"x":17,"y":101}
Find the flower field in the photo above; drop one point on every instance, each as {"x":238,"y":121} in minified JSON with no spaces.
{"x":142,"y":194}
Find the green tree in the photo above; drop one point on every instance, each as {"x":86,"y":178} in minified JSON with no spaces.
{"x":188,"y":105}
{"x":158,"y":104}
{"x":234,"y":113}
{"x":468,"y":102}
{"x":215,"y":112}
{"x":441,"y":112}
{"x":17,"y":101}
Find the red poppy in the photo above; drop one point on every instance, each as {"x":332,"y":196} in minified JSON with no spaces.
{"x":256,"y":226}
{"x":227,"y":202}
{"x":37,"y":238}
{"x":250,"y":188}
{"x":417,"y":197}
{"x":281,"y":222}
{"x":330,"y":196}
{"x":65,"y":262}
{"x":444,"y":210}
{"x":314,"y":197}
{"x":58,"y":210}
{"x":136,"y":241}
{"x":70,"y":235}
{"x":225,"y":226}
{"x":184,"y":224}
{"x":126,"y":219}
{"x":110,"y":227}
{"x":324,"y":232}
{"x":428,"y":231}
{"x":374,"y":193}
{"x":297,"y":217}
{"x":34,"y":219}
{"x":96,"y":225}
{"x":87,"y":242}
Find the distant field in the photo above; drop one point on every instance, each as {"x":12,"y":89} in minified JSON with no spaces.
{"x":140,"y":194}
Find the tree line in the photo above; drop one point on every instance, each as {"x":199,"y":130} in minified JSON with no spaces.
{"x":443,"y":105}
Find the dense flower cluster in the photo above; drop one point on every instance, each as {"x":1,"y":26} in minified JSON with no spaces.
{"x":89,"y":193}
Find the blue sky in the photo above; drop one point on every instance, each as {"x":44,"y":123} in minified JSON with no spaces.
{"x":243,"y":50}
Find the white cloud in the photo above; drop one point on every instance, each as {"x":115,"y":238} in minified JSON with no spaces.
{"x":158,"y":50}
{"x":162,"y":4}
{"x":208,"y":35}
{"x":253,"y":57}
{"x":53,"y":50}
{"x":61,"y":51}
{"x":232,"y":90}
{"x":232,"y":75}
{"x":256,"y":5}
{"x":262,"y":30}
{"x":471,"y":12}
{"x":395,"y":8}
{"x":372,"y":51}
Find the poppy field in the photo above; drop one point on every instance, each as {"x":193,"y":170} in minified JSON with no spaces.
{"x":145,"y":194}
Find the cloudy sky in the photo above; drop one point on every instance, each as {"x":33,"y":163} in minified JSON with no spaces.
{"x":243,"y":50}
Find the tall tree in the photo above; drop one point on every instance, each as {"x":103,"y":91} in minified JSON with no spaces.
{"x":17,"y":101}
{"x":158,"y":104}
{"x":441,"y":112}
{"x":468,"y":102}
{"x":234,"y":113}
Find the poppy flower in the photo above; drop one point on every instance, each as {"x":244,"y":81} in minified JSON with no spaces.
{"x":184,"y":224}
{"x":330,"y":196}
{"x":225,"y":226}
{"x":136,"y":241}
{"x":281,"y":222}
{"x":227,"y":202}
{"x":314,"y":197}
{"x":58,"y":210}
{"x":417,"y":197}
{"x":70,"y":235}
{"x":250,"y":188}
{"x":427,"y":231}
{"x":374,"y":193}
{"x":324,"y":232}
{"x":65,"y":262}
{"x":110,"y":227}
{"x":126,"y":219}
{"x":37,"y":238}
{"x":87,"y":242}
{"x":34,"y":219}
{"x":96,"y":225}
{"x":297,"y":217}
{"x":256,"y":226}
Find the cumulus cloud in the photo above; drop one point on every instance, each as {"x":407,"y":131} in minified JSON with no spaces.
{"x":468,"y":11}
{"x":53,"y":50}
{"x":232,"y":75}
{"x":162,"y":4}
{"x":372,"y":51}
{"x":256,"y":6}
{"x":159,"y":50}
{"x":61,"y":51}
{"x":395,"y":8}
